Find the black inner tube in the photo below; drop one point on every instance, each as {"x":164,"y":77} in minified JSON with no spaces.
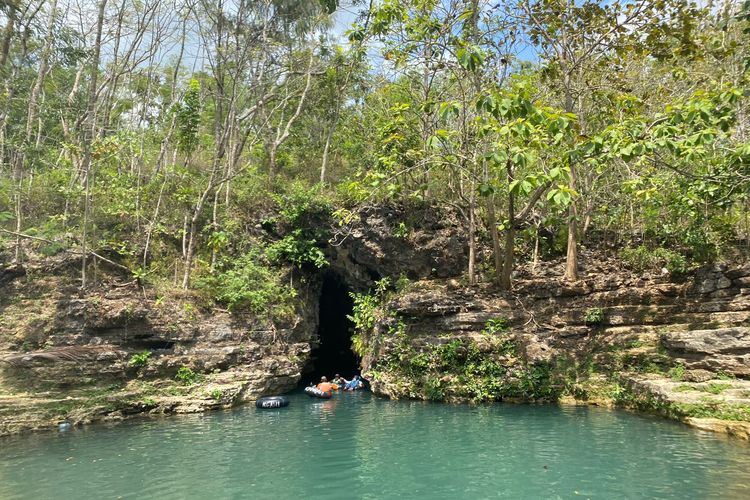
{"x":272,"y":402}
{"x":317,"y":393}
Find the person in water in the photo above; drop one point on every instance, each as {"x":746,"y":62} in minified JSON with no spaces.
{"x":339,"y":380}
{"x":326,"y":386}
{"x":354,"y":384}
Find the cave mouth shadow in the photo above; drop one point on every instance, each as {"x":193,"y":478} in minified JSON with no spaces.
{"x":334,"y":351}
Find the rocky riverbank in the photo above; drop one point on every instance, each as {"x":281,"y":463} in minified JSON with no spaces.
{"x":677,"y":346}
{"x":120,"y":350}
{"x":116,"y":351}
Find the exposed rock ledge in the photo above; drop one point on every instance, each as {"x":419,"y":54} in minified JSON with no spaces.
{"x":735,"y":429}
{"x":66,"y":357}
{"x":679,"y":348}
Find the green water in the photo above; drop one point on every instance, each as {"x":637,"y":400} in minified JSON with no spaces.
{"x":359,"y":446}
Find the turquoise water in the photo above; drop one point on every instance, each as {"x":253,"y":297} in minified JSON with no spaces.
{"x":360,"y":446}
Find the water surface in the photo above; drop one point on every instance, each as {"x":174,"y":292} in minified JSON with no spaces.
{"x":360,"y":446}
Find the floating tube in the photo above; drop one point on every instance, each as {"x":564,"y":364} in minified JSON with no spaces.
{"x":317,"y":393}
{"x":271,"y":402}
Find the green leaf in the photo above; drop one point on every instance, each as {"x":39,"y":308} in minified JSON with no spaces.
{"x":471,"y":58}
{"x":465,"y":15}
{"x":433,"y":142}
{"x":520,"y":159}
{"x":329,"y":6}
{"x":486,"y":103}
{"x":486,"y":189}
{"x":448,"y":110}
{"x":497,"y":158}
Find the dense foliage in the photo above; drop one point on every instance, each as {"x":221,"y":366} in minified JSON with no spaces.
{"x":160,"y":136}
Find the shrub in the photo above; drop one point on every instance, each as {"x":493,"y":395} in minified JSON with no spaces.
{"x":433,"y":388}
{"x":594,"y":316}
{"x":401,"y":231}
{"x":366,"y":305}
{"x":248,"y":283}
{"x":402,"y":284}
{"x":298,"y":250}
{"x":140,"y":359}
{"x":717,"y":388}
{"x":302,"y":212}
{"x":359,"y":344}
{"x":189,"y":310}
{"x":723,"y":375}
{"x":720,"y":410}
{"x":497,"y":325}
{"x":449,"y":356}
{"x":364,"y":311}
{"x":676,"y":373}
{"x":642,"y":259}
{"x":186,"y":376}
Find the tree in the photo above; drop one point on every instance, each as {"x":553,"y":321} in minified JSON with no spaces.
{"x":577,"y":38}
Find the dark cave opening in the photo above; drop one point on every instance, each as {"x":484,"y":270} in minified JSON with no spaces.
{"x":334,"y":351}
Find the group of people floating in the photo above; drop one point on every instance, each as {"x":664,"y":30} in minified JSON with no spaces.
{"x":324,"y":389}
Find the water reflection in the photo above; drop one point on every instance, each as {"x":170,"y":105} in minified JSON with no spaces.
{"x":357,"y":446}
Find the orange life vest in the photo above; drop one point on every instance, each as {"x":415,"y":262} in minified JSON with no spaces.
{"x":328,"y":387}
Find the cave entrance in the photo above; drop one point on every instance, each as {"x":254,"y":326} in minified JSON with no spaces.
{"x":334,"y":351}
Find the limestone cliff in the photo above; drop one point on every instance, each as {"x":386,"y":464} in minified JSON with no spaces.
{"x":119,"y":349}
{"x":67,"y":355}
{"x":676,"y":345}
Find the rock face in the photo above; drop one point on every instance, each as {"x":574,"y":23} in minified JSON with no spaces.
{"x":721,"y":349}
{"x":390,"y":241}
{"x":737,"y":429}
{"x":678,"y":347}
{"x":611,"y":308}
{"x":66,"y":356}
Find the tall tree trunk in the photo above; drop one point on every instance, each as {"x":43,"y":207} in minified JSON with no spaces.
{"x":282,"y":133}
{"x":492,"y":223}
{"x":113,"y":78}
{"x":31,"y":119}
{"x":510,"y":236}
{"x":89,"y":134}
{"x":327,"y":147}
{"x":272,"y":164}
{"x":472,"y":237}
{"x":7,"y":35}
{"x":214,"y":227}
{"x":535,"y":255}
{"x":150,"y":229}
{"x":571,"y":260}
{"x":191,"y":233}
{"x":172,"y":98}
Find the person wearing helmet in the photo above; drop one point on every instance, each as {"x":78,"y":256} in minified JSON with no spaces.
{"x":326,"y":386}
